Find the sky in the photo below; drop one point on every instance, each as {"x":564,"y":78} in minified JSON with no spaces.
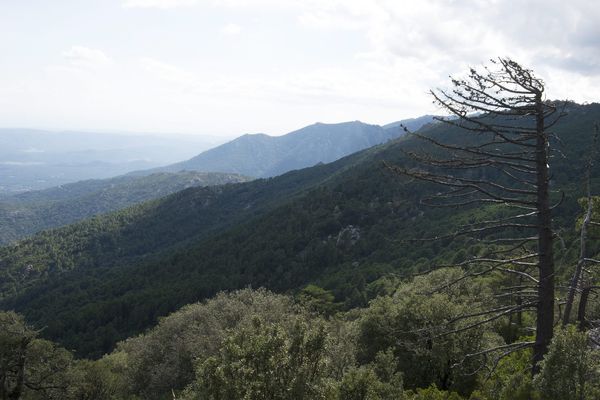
{"x":229,"y":67}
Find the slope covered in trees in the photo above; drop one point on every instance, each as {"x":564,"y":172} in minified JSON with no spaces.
{"x":149,"y":227}
{"x":340,"y":225}
{"x":27,"y":213}
{"x":254,"y":344}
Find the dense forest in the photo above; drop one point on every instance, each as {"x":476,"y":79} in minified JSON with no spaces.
{"x":26,"y":213}
{"x":366,"y":292}
{"x":112,"y":276}
{"x":254,"y":344}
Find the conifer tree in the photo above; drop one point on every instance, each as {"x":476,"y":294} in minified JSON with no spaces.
{"x":501,"y":159}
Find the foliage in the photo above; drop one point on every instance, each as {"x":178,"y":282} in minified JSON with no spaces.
{"x":511,"y":380}
{"x":318,"y":299}
{"x":164,"y":358}
{"x":263,"y":362}
{"x":30,"y":368}
{"x":570,"y":369}
{"x":100,"y":281}
{"x":30,"y":212}
{"x":253,"y":344}
{"x":222,"y":330}
{"x":101,"y":379}
{"x":379,"y":380}
{"x":433,"y":393}
{"x":417,"y":324}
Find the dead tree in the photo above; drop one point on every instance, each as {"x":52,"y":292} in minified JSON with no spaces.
{"x":501,"y":157}
{"x":578,"y":278}
{"x":585,"y":284}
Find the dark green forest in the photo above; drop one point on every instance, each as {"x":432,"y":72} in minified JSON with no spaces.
{"x":27,"y":213}
{"x":340,"y":226}
{"x":259,"y":345}
{"x":321,"y":283}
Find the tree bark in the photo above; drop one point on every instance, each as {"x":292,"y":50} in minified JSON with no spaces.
{"x":582,"y":256}
{"x":545,"y":307}
{"x":506,"y":113}
{"x":585,"y":293}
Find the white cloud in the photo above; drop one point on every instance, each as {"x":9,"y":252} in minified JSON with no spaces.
{"x":325,"y":86}
{"x":419,"y":43}
{"x":80,"y":56}
{"x":259,"y":3}
{"x":444,"y":36}
{"x":166,"y":72}
{"x":231,"y":29}
{"x":301,"y":61}
{"x":158,"y":3}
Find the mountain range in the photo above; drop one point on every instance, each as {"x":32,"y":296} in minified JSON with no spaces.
{"x":262,"y":156}
{"x":23,"y":214}
{"x":340,"y":225}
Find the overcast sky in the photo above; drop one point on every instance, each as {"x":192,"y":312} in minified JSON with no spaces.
{"x":228,"y":67}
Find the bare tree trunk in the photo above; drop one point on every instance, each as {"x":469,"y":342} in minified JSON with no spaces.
{"x":585,"y":293}
{"x":582,"y":255}
{"x":519,"y":304}
{"x":507,"y":165}
{"x":587,"y":221}
{"x":545,"y":307}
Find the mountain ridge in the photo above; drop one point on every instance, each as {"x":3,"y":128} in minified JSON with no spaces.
{"x":263,"y":156}
{"x":27,"y":213}
{"x":341,"y":225}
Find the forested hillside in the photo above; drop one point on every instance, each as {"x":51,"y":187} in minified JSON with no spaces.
{"x":341,"y":226}
{"x":260,"y":345}
{"x":316,"y":200}
{"x":152,"y":226}
{"x":27,"y":213}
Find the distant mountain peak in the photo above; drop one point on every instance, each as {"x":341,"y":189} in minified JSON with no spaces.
{"x":258,"y":134}
{"x":412,"y":124}
{"x":260,"y":155}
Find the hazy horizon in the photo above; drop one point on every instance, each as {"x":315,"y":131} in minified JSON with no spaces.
{"x":190,"y":135}
{"x":229,"y":67}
